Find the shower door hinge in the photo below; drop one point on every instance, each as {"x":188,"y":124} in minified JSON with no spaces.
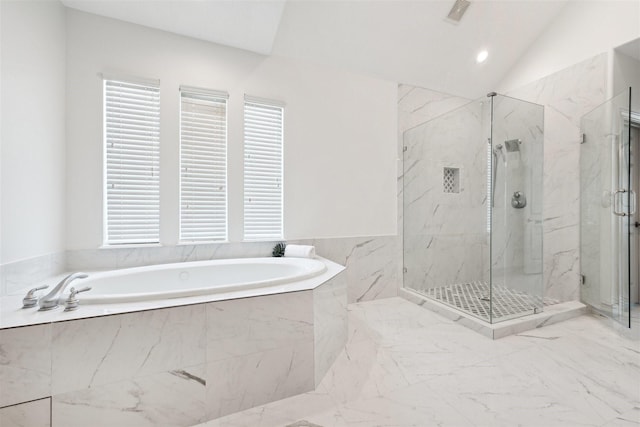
{"x":404,"y":149}
{"x":582,"y":279}
{"x":404,"y":269}
{"x":583,"y":138}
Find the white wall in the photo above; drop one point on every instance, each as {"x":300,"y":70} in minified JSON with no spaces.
{"x":340,"y":130}
{"x":33,"y":129}
{"x":582,"y":30}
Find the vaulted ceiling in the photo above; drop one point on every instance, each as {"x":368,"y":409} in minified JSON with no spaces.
{"x":404,"y":41}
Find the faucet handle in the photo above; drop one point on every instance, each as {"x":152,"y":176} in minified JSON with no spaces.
{"x":30,"y":300}
{"x":72,"y":302}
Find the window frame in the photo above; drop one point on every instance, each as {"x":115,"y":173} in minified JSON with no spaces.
{"x":274,"y":105}
{"x":152,"y":238}
{"x":216,"y":97}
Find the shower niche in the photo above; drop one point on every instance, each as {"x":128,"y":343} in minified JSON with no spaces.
{"x":479,"y":252}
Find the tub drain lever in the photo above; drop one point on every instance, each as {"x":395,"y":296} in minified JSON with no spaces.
{"x":73,"y":302}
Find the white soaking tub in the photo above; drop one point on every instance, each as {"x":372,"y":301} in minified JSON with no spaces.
{"x":187,"y":279}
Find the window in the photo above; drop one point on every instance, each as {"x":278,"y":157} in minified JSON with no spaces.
{"x":132,"y":162}
{"x":203,"y":165}
{"x":263,"y":134}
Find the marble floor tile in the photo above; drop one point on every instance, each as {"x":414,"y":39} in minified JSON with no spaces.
{"x":628,"y":419}
{"x":36,"y":413}
{"x":405,"y":366}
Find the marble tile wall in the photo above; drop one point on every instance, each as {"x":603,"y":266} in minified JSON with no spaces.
{"x":177,"y":366}
{"x":516,"y":249}
{"x":419,"y":105}
{"x":372,"y":263}
{"x":567,"y":96}
{"x":595,"y":211}
{"x":445,"y":235}
{"x":415,"y":107}
{"x":16,"y":276}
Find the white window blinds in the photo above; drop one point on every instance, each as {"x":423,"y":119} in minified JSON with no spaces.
{"x":203,"y":165}
{"x":263,"y":134}
{"x":132,"y":162}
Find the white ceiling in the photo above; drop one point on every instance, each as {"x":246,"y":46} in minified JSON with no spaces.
{"x":404,"y":41}
{"x":245,"y":24}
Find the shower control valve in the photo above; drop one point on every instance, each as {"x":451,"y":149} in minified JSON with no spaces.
{"x":518,"y":200}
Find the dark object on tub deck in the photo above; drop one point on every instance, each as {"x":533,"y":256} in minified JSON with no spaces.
{"x":278,"y":250}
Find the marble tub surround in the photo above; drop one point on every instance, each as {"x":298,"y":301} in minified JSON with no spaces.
{"x":330,"y":324}
{"x":19,"y":275}
{"x":410,"y":367}
{"x":104,"y":350}
{"x":25,"y":359}
{"x":177,"y":366}
{"x":171,"y":398}
{"x":114,"y":257}
{"x":12,"y":314}
{"x":373,"y":264}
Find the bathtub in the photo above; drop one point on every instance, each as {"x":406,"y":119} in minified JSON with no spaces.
{"x":285,"y":332}
{"x":188,"y":279}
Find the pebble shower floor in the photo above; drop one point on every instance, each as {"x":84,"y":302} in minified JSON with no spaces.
{"x":473,"y":298}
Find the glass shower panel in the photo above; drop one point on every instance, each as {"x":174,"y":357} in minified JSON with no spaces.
{"x":516,"y":218}
{"x":605,"y":208}
{"x":444,"y":208}
{"x":472,"y":208}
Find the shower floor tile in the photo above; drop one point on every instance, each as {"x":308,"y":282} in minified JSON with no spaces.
{"x":474,"y":298}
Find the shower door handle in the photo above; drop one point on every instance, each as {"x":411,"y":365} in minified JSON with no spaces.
{"x":615,"y":202}
{"x":632,"y":202}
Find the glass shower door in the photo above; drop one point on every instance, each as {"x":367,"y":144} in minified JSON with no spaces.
{"x":606,"y":206}
{"x":517,"y":144}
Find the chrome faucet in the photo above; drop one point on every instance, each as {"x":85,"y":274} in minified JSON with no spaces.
{"x":50,"y":300}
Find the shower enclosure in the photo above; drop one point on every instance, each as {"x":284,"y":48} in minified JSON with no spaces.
{"x":472,"y":208}
{"x":609,"y":180}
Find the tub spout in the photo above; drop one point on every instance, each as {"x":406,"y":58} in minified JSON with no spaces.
{"x":50,"y":301}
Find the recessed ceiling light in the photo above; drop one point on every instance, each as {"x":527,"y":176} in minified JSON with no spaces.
{"x":482,"y":56}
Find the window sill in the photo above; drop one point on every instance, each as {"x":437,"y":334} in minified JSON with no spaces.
{"x":204,"y":242}
{"x":132,"y":246}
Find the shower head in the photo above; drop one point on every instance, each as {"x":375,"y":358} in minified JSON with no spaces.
{"x":512,"y":145}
